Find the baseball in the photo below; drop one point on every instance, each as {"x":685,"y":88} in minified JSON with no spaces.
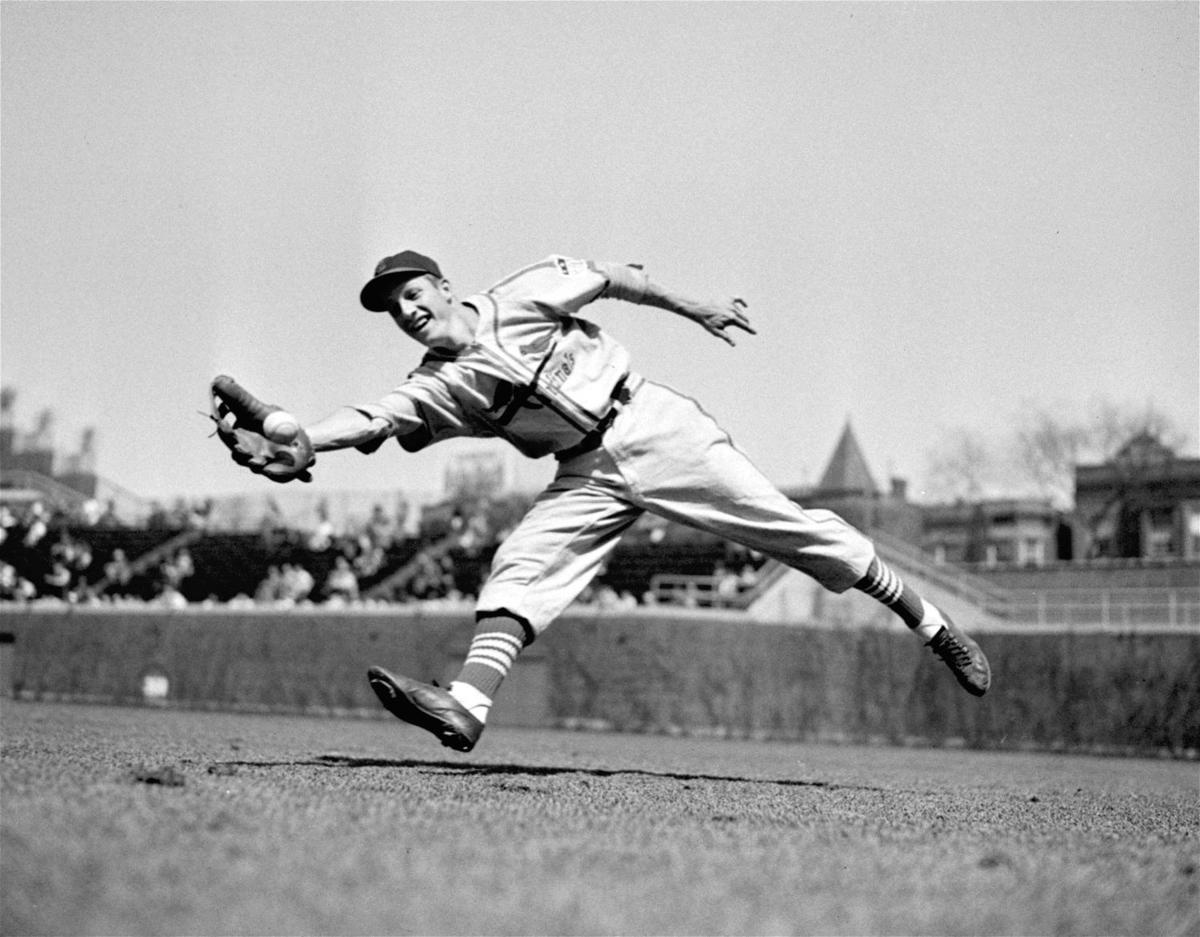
{"x":280,"y":426}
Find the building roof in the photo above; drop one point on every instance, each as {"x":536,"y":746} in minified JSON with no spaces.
{"x":847,"y":471}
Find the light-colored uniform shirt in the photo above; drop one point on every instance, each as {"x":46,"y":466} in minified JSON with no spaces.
{"x":537,"y":375}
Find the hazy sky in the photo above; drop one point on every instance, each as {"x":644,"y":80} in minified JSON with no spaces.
{"x":939,"y":213}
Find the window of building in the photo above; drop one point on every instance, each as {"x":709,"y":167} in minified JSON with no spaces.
{"x":1192,"y":528}
{"x":1159,"y":532}
{"x":1031,"y":552}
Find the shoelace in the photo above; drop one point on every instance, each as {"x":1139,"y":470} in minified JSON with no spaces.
{"x":954,"y":651}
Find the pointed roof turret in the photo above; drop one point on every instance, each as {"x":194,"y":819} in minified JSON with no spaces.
{"x":847,"y":471}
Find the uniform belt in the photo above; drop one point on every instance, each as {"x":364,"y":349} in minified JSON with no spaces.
{"x":622,"y":393}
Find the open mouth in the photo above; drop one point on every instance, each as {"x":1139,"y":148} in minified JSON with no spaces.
{"x":419,"y":322}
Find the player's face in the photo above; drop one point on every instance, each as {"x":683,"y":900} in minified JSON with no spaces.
{"x":425,"y":310}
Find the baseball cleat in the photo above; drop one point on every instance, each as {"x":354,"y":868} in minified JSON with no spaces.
{"x":428,"y":707}
{"x":964,"y":658}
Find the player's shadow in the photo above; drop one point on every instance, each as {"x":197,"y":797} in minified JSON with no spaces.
{"x":485,"y":769}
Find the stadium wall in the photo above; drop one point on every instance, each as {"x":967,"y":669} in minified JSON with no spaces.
{"x":647,"y":672}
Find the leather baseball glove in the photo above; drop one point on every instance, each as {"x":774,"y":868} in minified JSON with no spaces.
{"x":239,"y":417}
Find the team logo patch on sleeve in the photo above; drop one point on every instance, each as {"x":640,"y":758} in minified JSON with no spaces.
{"x":568,"y":267}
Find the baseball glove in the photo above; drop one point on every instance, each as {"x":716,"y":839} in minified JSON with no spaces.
{"x":239,"y":417}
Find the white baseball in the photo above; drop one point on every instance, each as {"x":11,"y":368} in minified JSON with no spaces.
{"x":280,"y":426}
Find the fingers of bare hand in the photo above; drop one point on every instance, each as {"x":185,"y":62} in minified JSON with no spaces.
{"x":739,"y":316}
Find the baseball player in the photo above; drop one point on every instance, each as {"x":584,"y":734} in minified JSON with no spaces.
{"x":518,"y":362}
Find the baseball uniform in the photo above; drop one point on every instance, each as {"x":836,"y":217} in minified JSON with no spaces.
{"x":552,"y":383}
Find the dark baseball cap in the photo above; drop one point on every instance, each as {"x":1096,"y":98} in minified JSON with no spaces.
{"x":392,"y":271}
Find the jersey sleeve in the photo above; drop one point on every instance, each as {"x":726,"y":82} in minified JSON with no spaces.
{"x":557,"y":284}
{"x":421,"y":411}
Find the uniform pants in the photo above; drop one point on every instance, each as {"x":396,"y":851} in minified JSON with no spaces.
{"x":665,"y":455}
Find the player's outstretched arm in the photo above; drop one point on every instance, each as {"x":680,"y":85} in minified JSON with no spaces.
{"x":715,"y":316}
{"x":348,"y":428}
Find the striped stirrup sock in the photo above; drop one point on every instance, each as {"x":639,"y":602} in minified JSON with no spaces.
{"x":882,"y":584}
{"x":494,"y":649}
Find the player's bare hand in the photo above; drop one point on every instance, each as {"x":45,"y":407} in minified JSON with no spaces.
{"x":717,"y":317}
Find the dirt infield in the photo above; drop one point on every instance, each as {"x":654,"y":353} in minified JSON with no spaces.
{"x":156,"y":821}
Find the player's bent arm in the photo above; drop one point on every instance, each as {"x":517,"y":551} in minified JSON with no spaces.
{"x":631,"y":284}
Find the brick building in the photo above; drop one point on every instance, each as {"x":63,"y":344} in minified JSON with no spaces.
{"x":996,"y":532}
{"x":1143,"y":503}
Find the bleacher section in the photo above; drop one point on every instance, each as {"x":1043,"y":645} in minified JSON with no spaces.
{"x":633,"y":566}
{"x":228,"y":565}
{"x":679,"y":570}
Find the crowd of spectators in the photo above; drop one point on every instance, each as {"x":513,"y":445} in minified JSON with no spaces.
{"x":38,"y":558}
{"x":47,"y":557}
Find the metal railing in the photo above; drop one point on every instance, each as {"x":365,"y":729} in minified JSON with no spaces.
{"x":912,"y":559}
{"x":1115,"y":609}
{"x":1125,"y":609}
{"x":696,"y":591}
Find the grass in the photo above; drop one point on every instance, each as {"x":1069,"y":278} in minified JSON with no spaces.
{"x":154,"y":821}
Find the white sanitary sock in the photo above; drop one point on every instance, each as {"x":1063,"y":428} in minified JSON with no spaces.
{"x":475,"y":701}
{"x":931,"y":622}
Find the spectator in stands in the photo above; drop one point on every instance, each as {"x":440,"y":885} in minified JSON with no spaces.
{"x":169,"y":596}
{"x":36,"y":524}
{"x":157,"y":518}
{"x":180,"y":515}
{"x":109,"y":517}
{"x":369,"y":557}
{"x":76,"y":556}
{"x":321,"y":538}
{"x":341,"y":585}
{"x":56,"y":583}
{"x":118,"y":572}
{"x":688,"y":596}
{"x":297,"y":584}
{"x":271,"y":588}
{"x":381,"y":529}
{"x":431,"y":577}
{"x":13,"y":586}
{"x":90,"y":512}
{"x":200,"y":514}
{"x":8,"y":519}
{"x":175,"y":569}
{"x":726,"y":585}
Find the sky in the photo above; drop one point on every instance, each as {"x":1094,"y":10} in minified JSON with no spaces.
{"x":941,"y":215}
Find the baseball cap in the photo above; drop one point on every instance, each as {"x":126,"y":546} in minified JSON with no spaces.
{"x":393,"y":270}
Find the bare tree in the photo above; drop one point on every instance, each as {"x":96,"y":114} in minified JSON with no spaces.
{"x":961,"y":468}
{"x":1047,"y":449}
{"x":1049,"y":443}
{"x":8,"y":405}
{"x":1038,"y":456}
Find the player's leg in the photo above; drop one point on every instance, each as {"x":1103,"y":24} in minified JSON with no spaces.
{"x":541,"y":567}
{"x":683,"y":466}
